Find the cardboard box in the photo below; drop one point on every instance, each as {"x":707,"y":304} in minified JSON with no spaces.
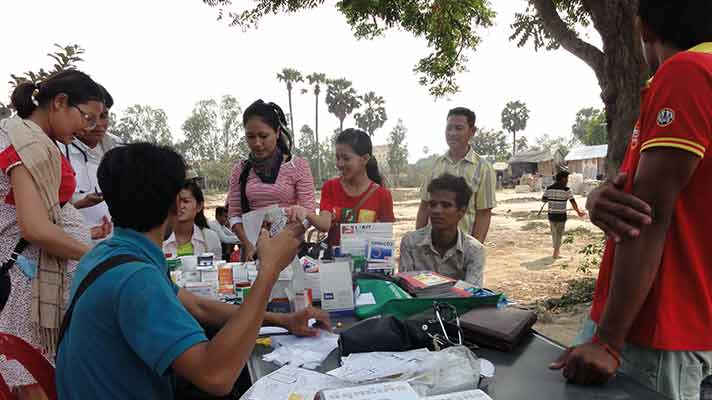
{"x":337,"y":293}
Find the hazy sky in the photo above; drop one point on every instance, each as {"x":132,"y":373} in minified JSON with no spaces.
{"x":171,"y":54}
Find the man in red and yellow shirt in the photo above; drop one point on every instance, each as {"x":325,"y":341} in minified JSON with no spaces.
{"x":653,"y":298}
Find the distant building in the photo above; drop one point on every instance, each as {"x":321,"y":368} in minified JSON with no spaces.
{"x":535,"y":162}
{"x":589,"y":161}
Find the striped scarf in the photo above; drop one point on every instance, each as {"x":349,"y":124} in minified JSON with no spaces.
{"x":43,"y":160}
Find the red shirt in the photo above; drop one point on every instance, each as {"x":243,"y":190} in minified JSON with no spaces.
{"x":9,"y":158}
{"x":676,"y":112}
{"x":378,"y":207}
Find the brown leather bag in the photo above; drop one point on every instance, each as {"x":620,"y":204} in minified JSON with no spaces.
{"x":497,"y":328}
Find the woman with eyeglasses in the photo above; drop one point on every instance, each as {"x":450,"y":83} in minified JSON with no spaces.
{"x":85,"y":153}
{"x":41,"y":232}
{"x":271,"y":174}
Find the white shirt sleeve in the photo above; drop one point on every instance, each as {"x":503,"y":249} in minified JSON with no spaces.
{"x":224,"y":234}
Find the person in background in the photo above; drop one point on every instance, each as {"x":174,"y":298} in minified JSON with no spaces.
{"x":85,"y":153}
{"x":228,"y":239}
{"x":442,"y":246}
{"x":192,"y":234}
{"x":461,"y":160}
{"x":357,"y":196}
{"x":37,"y":220}
{"x":651,"y":313}
{"x":271,"y":174}
{"x":557,"y":196}
{"x":133,"y":329}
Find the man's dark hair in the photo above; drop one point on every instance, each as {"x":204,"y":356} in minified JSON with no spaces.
{"x":561,"y":175}
{"x":681,"y":23}
{"x":108,"y":100}
{"x":140,"y":182}
{"x":220,"y":211}
{"x":465,"y":112}
{"x":454,"y":184}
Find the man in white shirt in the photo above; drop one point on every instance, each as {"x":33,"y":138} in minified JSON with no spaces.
{"x":85,"y":154}
{"x":220,"y":226}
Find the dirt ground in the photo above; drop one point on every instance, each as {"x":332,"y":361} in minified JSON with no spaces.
{"x":519,"y":261}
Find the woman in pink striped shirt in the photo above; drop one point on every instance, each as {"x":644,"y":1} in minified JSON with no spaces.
{"x":271,"y":174}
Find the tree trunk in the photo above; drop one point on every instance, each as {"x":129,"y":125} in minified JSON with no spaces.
{"x":514,"y":143}
{"x":620,"y":67}
{"x":318,"y":145}
{"x":621,"y":80}
{"x":341,"y":125}
{"x":291,"y":114}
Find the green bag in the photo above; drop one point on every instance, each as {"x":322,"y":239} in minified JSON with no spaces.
{"x":392,"y":300}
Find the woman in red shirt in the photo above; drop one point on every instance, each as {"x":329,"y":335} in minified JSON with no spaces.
{"x":357,"y":196}
{"x":36,"y":185}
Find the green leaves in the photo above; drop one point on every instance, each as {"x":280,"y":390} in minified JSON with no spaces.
{"x":590,"y":126}
{"x":448,"y":26}
{"x":213,"y":131}
{"x":529,"y":27}
{"x":490,"y":142}
{"x":341,"y":98}
{"x":65,"y":58}
{"x":143,"y":123}
{"x":374,"y":116}
{"x":397,"y":150}
{"x":515,"y":116}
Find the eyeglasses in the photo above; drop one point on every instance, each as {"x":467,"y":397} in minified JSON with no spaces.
{"x":90,"y":120}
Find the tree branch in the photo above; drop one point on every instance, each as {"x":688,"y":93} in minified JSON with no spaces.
{"x":567,"y":37}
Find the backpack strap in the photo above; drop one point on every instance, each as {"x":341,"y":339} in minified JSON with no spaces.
{"x":93,"y":275}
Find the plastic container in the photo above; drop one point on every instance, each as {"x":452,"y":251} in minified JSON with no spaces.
{"x":189,"y":263}
{"x":206,"y":260}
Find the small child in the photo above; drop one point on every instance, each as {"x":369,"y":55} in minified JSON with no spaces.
{"x":557,"y":195}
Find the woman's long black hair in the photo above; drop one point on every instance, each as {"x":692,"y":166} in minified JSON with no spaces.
{"x":197,"y":192}
{"x":360,"y":142}
{"x":272,"y":115}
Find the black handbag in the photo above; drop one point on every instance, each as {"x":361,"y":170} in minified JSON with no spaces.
{"x":383,"y":334}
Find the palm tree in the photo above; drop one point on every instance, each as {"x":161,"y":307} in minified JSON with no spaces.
{"x":290,"y":76}
{"x":316,"y":79}
{"x":514,"y":119}
{"x":374,"y":116}
{"x":342,"y":99}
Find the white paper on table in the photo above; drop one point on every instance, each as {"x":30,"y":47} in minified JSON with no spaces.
{"x":376,"y":391}
{"x":467,"y":395}
{"x":272,"y":330}
{"x":365,"y":299}
{"x":365,"y":367}
{"x":309,"y":352}
{"x":291,"y":381}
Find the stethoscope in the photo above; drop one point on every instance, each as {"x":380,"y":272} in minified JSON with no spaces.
{"x":84,"y":153}
{"x":86,"y":161}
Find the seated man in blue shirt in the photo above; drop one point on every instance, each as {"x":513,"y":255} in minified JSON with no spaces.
{"x":133,"y":328}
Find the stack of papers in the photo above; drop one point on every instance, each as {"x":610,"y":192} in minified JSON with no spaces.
{"x":290,"y":382}
{"x":427,"y":284}
{"x":366,"y":367}
{"x":376,"y":391}
{"x":308,"y":352}
{"x":467,"y":395}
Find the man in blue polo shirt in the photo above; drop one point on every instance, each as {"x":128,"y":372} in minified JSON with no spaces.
{"x":133,"y":328}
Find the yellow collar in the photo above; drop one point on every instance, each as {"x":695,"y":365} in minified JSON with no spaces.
{"x":702,"y":48}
